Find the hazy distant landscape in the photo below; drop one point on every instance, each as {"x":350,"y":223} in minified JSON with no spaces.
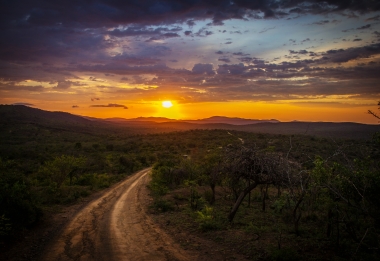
{"x":22,"y":114}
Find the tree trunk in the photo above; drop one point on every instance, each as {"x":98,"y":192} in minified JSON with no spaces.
{"x":240,"y":200}
{"x":295,"y":217}
{"x":263,"y":199}
{"x":213,"y":194}
{"x":249,"y":195}
{"x":329,"y":222}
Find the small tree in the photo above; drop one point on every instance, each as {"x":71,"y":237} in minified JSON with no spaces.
{"x":252,"y":167}
{"x":62,"y":167}
{"x":212,"y":167}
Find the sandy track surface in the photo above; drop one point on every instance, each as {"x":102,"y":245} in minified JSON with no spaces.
{"x":115,"y":227}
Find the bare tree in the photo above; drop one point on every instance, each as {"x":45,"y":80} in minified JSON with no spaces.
{"x":373,"y":113}
{"x":252,"y":167}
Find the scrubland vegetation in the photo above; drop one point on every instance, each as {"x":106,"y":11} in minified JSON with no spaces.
{"x":266,"y":196}
{"x":276,"y":197}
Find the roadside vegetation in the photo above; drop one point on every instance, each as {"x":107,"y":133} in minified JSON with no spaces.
{"x":276,"y":197}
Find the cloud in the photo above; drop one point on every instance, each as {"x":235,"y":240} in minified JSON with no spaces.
{"x":374,"y":18}
{"x":363,"y":27}
{"x":65,"y":43}
{"x":110,"y":105}
{"x":125,"y":69}
{"x":63,"y":85}
{"x":201,"y":68}
{"x":266,"y":30}
{"x":299,"y":52}
{"x":16,"y":87}
{"x":75,"y":106}
{"x":23,"y":104}
{"x":226,"y":60}
{"x":245,"y":59}
{"x":323,"y":22}
{"x":345,"y":55}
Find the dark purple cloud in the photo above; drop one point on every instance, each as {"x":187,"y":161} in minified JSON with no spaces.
{"x":323,"y":22}
{"x":226,"y":60}
{"x":201,"y":68}
{"x":374,"y":18}
{"x":23,"y":104}
{"x":110,"y":105}
{"x":363,"y":27}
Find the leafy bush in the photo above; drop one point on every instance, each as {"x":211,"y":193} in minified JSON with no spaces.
{"x":206,"y":219}
{"x":17,"y":205}
{"x":162,"y":205}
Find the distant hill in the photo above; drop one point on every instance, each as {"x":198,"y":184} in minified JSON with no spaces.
{"x":17,"y":117}
{"x":141,"y":119}
{"x":20,"y":113}
{"x":232,"y":121}
{"x":214,"y":119}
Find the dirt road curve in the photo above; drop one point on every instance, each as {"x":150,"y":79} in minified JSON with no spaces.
{"x":115,"y":227}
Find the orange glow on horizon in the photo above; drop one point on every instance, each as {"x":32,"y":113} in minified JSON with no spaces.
{"x":250,"y":110}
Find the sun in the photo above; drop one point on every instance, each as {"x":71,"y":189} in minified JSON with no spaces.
{"x":167,"y":104}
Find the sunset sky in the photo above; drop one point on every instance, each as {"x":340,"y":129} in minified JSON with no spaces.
{"x":277,"y":59}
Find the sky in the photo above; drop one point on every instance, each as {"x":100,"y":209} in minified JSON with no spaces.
{"x":307,"y":60}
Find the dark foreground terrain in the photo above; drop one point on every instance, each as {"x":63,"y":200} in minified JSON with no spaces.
{"x":215,"y":190}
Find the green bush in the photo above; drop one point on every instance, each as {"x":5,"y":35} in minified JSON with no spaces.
{"x":162,"y":205}
{"x":18,"y":209}
{"x":158,"y":189}
{"x":206,"y":219}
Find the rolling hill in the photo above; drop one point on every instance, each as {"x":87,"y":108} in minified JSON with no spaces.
{"x":13,"y":117}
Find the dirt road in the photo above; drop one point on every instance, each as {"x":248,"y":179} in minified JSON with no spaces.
{"x":115,"y":227}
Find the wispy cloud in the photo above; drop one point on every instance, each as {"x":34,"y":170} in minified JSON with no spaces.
{"x":110,"y":105}
{"x":23,"y":103}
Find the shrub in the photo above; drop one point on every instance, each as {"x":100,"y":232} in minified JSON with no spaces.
{"x":162,"y":205}
{"x":17,"y":204}
{"x":206,"y":219}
